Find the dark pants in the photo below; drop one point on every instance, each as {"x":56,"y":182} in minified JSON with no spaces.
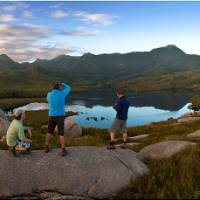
{"x":56,"y":121}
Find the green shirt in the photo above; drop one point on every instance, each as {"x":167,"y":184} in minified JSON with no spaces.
{"x":15,"y":132}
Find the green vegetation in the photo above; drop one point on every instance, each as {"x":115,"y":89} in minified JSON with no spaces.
{"x":175,"y":178}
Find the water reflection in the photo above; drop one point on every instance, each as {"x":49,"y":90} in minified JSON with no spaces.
{"x":161,"y":100}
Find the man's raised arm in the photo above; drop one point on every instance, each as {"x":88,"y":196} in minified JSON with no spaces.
{"x":66,"y":89}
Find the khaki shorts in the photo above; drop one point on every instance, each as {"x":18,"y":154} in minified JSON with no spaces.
{"x":118,"y":126}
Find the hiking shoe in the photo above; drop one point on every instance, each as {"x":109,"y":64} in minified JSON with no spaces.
{"x":64,"y":152}
{"x":46,"y":149}
{"x":110,"y":147}
{"x":111,"y":143}
{"x":13,"y":151}
{"x":124,"y":145}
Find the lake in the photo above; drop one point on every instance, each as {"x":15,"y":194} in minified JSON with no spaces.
{"x":95,"y":107}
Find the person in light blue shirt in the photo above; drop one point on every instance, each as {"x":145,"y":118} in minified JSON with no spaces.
{"x":56,"y":111}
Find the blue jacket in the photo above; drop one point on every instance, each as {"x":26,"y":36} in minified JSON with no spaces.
{"x":122,"y":108}
{"x":56,"y":100}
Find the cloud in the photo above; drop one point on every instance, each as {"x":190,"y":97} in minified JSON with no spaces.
{"x":82,"y":33}
{"x":6,"y":17}
{"x":99,"y":18}
{"x":59,"y":14}
{"x":24,"y":43}
{"x":56,"y":6}
{"x":33,"y":52}
{"x":22,"y":31}
{"x":7,"y":8}
{"x":26,"y":13}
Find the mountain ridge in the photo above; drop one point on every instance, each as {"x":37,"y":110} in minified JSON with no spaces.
{"x":107,"y":70}
{"x":171,"y":47}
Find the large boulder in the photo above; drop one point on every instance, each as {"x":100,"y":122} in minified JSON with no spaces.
{"x":194,"y":134}
{"x":138,"y":137}
{"x":164,"y":149}
{"x":187,"y":119}
{"x":4,"y":124}
{"x":2,"y":114}
{"x":86,"y":171}
{"x":72,"y":129}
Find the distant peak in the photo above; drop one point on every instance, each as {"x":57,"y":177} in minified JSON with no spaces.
{"x":88,"y":54}
{"x":169,"y":49}
{"x":62,"y":56}
{"x":171,"y":46}
{"x":5,"y":57}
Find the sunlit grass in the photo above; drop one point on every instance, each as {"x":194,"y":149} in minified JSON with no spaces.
{"x":175,"y":178}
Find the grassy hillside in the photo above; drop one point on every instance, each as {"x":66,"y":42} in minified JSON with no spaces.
{"x":179,"y":81}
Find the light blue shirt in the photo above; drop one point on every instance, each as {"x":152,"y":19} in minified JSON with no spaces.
{"x":56,"y":100}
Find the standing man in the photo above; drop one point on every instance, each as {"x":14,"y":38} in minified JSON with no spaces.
{"x":120,"y":122}
{"x":56,"y":105}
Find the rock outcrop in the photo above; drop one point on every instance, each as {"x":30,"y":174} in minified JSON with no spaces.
{"x":4,"y":124}
{"x":89,"y":172}
{"x":138,"y":137}
{"x":2,"y":114}
{"x":187,"y":119}
{"x":164,"y":149}
{"x":194,"y":134}
{"x":72,"y":129}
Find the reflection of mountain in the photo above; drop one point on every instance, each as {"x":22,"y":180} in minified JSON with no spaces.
{"x":165,"y":68}
{"x":160,"y":100}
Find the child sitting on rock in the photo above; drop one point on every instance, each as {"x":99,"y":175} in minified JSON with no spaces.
{"x":16,"y":139}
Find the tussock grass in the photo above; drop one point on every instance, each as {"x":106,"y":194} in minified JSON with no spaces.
{"x":175,"y":178}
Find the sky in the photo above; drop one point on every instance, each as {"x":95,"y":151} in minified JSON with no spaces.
{"x":44,"y":30}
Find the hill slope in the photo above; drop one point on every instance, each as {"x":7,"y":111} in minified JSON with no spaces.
{"x":164,"y":68}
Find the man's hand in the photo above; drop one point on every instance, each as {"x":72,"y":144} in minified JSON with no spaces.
{"x":28,"y":130}
{"x":114,"y":105}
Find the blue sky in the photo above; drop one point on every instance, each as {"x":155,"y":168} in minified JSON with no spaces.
{"x":30,"y":30}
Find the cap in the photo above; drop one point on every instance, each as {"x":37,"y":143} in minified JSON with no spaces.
{"x":18,"y":112}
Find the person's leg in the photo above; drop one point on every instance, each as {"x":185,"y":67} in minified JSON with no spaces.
{"x":124,"y":133}
{"x":62,"y":141}
{"x":13,"y":151}
{"x":51,"y":127}
{"x":112,"y":141}
{"x":60,"y":125}
{"x":112,"y":136}
{"x":123,"y":130}
{"x":113,"y":129}
{"x":47,"y":142}
{"x":125,"y":137}
{"x":48,"y":139}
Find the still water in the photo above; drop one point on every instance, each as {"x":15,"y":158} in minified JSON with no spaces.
{"x":95,"y":108}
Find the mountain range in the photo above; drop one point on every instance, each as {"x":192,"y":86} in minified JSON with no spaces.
{"x":164,"y":68}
